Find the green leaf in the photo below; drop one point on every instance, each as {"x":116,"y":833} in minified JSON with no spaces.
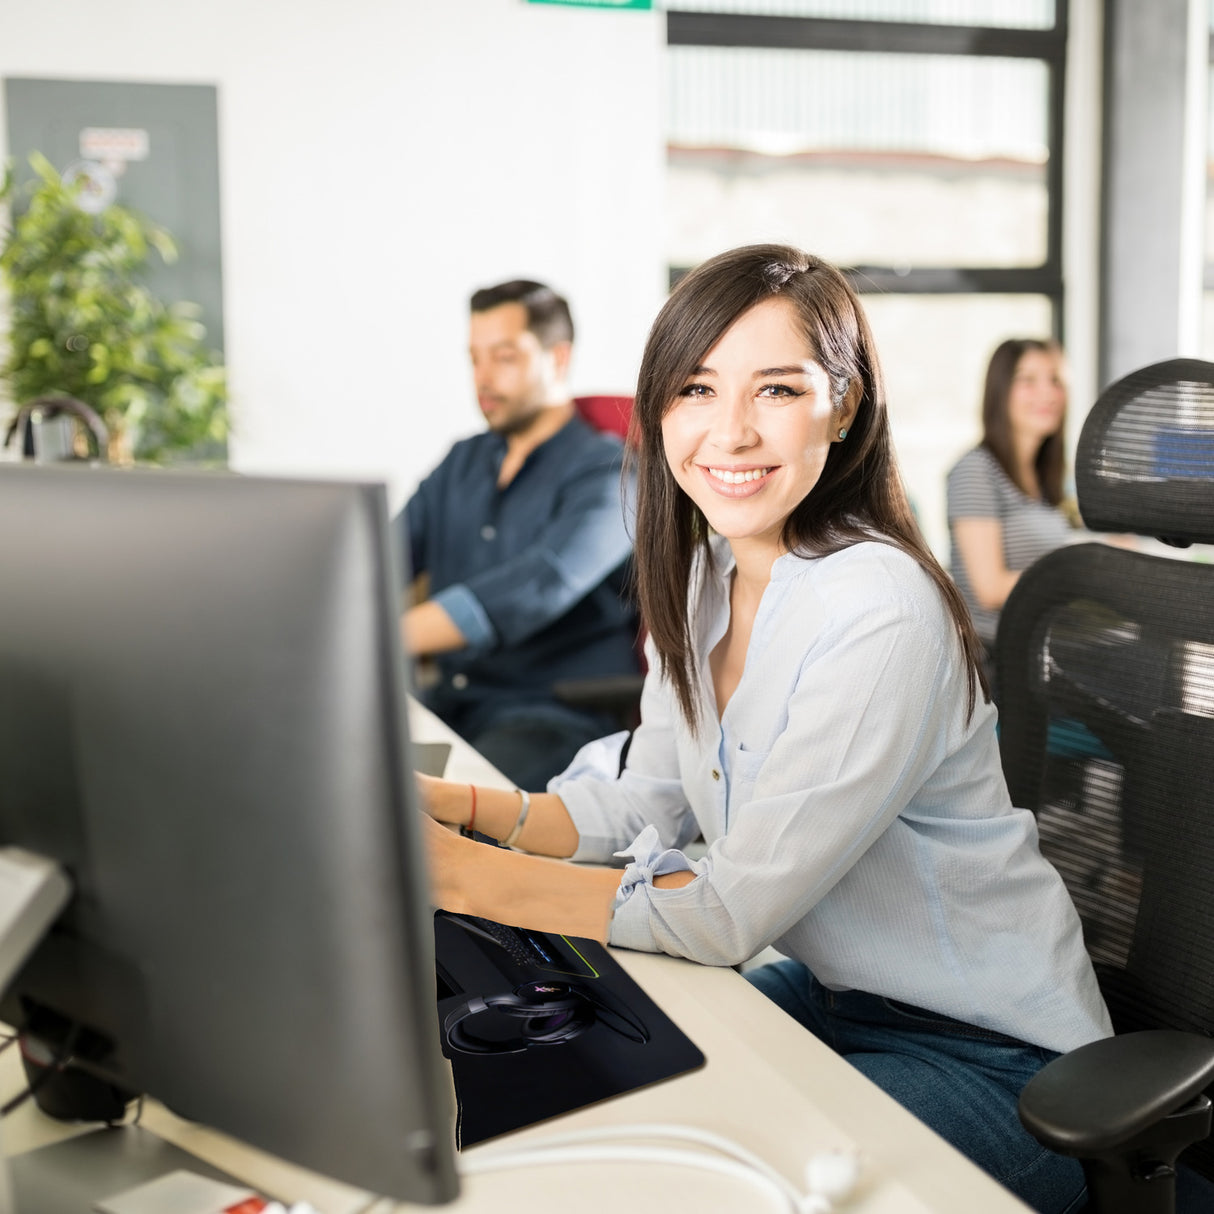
{"x":83,"y":322}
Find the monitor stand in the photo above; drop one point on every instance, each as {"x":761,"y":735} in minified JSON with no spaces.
{"x":67,"y":1177}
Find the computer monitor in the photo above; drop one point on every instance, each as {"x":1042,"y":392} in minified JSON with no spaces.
{"x":203,"y":720}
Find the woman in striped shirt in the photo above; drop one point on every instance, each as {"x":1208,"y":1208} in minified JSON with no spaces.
{"x":1005,"y":496}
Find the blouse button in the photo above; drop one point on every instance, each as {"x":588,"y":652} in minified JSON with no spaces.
{"x":459,"y":681}
{"x":488,"y":531}
{"x":716,"y":775}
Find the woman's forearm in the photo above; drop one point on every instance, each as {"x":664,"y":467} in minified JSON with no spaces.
{"x":980,"y":543}
{"x":548,"y":830}
{"x":522,"y":890}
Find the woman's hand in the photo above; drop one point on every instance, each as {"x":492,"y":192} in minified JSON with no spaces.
{"x":471,"y":878}
{"x":444,"y":800}
{"x":549,"y":830}
{"x":427,"y":786}
{"x":445,"y":860}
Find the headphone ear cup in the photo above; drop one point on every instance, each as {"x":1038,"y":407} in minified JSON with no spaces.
{"x":538,"y":1014}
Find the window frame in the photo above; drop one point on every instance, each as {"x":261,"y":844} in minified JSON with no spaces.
{"x":1048,"y":45}
{"x":1207,"y":284}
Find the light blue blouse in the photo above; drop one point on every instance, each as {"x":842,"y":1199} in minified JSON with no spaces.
{"x":855,"y":818}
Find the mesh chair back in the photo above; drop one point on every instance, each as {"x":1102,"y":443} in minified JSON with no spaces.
{"x":1106,"y":669}
{"x":1145,"y":461}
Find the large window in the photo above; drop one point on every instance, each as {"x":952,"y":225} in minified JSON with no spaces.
{"x":1207,"y":313}
{"x":916,"y":143}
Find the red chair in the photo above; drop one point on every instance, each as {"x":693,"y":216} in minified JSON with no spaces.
{"x":611,"y":414}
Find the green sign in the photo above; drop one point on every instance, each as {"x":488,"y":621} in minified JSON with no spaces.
{"x":648,"y":4}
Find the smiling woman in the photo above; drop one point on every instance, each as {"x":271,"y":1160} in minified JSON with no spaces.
{"x":813,"y":712}
{"x":747,"y":436}
{"x":746,"y":439}
{"x":793,"y":330}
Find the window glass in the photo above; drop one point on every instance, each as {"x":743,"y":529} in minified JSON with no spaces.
{"x":933,"y":351}
{"x":1009,"y":14}
{"x":867,"y":159}
{"x":1207,"y":310}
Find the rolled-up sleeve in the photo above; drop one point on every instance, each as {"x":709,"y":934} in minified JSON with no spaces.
{"x":468,"y":615}
{"x":852,"y":754}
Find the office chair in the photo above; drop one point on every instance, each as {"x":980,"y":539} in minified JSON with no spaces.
{"x":614,"y":696}
{"x":54,"y":428}
{"x":611,"y":414}
{"x":1116,"y":647}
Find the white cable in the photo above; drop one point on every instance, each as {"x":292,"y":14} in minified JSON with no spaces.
{"x":706,"y":1138}
{"x":831,"y":1176}
{"x":636,"y":1154}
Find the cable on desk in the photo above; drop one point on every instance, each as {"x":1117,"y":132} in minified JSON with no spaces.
{"x":59,"y":1061}
{"x":831,"y":1176}
{"x":17,"y":1101}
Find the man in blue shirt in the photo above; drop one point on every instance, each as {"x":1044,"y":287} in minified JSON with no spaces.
{"x":522,"y":534}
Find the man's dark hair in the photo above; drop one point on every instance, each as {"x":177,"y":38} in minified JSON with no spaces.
{"x":548,"y":315}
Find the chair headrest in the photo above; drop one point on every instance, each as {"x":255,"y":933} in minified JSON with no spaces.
{"x":610,"y":414}
{"x":1145,"y":460}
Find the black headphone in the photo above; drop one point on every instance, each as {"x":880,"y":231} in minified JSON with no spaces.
{"x":537,"y":1013}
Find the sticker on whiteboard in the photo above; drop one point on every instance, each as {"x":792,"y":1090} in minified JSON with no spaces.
{"x":109,"y":143}
{"x":96,"y":187}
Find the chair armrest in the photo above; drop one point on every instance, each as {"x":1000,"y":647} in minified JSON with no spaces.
{"x":1103,"y":1094}
{"x":614,"y":693}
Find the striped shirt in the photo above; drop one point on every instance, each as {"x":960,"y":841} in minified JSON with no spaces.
{"x":856,"y":817}
{"x":979,"y":488}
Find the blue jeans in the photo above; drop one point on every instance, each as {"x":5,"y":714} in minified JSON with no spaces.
{"x":960,"y":1080}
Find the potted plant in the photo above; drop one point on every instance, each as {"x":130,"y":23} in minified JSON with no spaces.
{"x":82,"y":325}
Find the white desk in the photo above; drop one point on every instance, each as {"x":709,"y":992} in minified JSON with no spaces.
{"x":767,"y":1084}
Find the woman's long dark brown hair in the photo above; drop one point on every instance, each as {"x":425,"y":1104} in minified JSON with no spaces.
{"x":1050,"y":464}
{"x":859,"y":495}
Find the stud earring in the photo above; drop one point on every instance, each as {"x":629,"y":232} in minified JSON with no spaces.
{"x":842,"y":433}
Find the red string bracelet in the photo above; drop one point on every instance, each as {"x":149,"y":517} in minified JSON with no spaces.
{"x":472,"y":817}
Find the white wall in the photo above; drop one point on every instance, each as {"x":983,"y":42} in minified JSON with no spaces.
{"x":379,"y":160}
